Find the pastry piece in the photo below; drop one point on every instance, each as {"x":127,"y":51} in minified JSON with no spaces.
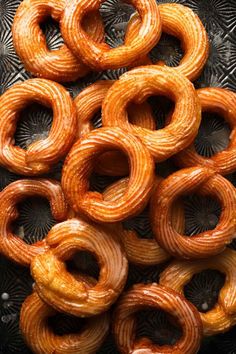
{"x":136,"y":86}
{"x":88,"y":103}
{"x":42,"y":154}
{"x":181,"y":22}
{"x":11,"y":245}
{"x":99,"y":56}
{"x":207,"y":183}
{"x":142,"y":251}
{"x":162,"y":298}
{"x":31,"y":46}
{"x":222,"y":102}
{"x":80,"y":163}
{"x":223,"y":315}
{"x":60,"y":289}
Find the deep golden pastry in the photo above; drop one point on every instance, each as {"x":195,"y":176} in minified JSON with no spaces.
{"x":136,"y":86}
{"x":181,"y":22}
{"x":80,"y":163}
{"x":31,"y":46}
{"x":142,"y":251}
{"x":99,"y":56}
{"x":88,"y":103}
{"x":11,"y":245}
{"x":205,"y":182}
{"x":161,"y":298}
{"x":42,"y":154}
{"x":223,"y":315}
{"x":60,"y":289}
{"x":222,"y":102}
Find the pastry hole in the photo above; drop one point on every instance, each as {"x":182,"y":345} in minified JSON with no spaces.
{"x":162,"y":108}
{"x":35,"y":219}
{"x":203,"y":289}
{"x":158,"y":326}
{"x":52,"y":34}
{"x":202,"y":213}
{"x":34,"y":124}
{"x":168,"y":50}
{"x":213,"y":135}
{"x":62,"y":324}
{"x":84,"y":262}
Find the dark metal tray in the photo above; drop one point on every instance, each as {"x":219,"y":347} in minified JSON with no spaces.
{"x":219,"y":18}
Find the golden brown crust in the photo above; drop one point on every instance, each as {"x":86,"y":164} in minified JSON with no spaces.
{"x":136,"y":85}
{"x":88,"y":103}
{"x":11,"y":245}
{"x":223,"y":315}
{"x":78,"y":167}
{"x":181,"y":22}
{"x":42,"y":154}
{"x":222,"y":102}
{"x":57,"y":287}
{"x":41,"y":339}
{"x":30,"y":43}
{"x":208,"y":183}
{"x":99,"y":56}
{"x":158,"y":297}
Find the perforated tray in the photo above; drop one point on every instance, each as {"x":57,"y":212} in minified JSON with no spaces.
{"x":219,"y":18}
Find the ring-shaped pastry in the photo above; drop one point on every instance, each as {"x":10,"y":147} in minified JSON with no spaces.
{"x":78,"y":167}
{"x":223,"y":314}
{"x":181,"y":22}
{"x":88,"y":103}
{"x":30,"y":43}
{"x":42,"y":154}
{"x":142,"y":251}
{"x":40,"y":338}
{"x":136,"y":85}
{"x":52,"y":278}
{"x":161,"y":298}
{"x":206,"y":182}
{"x":11,"y":245}
{"x":222,"y":102}
{"x":99,"y":56}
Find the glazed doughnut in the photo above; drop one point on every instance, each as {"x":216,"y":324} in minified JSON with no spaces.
{"x":11,"y":245}
{"x":31,"y":46}
{"x":78,"y":167}
{"x":207,"y":183}
{"x":41,"y":339}
{"x":181,"y":22}
{"x":161,"y":298}
{"x":136,"y":85}
{"x":222,"y":102}
{"x":40,"y":155}
{"x":142,"y":251}
{"x":52,"y":278}
{"x":88,"y":103}
{"x":99,"y":56}
{"x":223,"y":315}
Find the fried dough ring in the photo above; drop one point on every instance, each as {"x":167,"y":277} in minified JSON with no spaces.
{"x":205,"y":244}
{"x":42,"y":154}
{"x":52,"y":278}
{"x":136,"y":85}
{"x":78,"y":167}
{"x":181,"y":22}
{"x":30,"y":42}
{"x":222,"y":102}
{"x":142,"y":251}
{"x":99,"y":56}
{"x":41,"y":339}
{"x":159,"y":297}
{"x":223,"y":315}
{"x":88,"y":102}
{"x":11,"y":245}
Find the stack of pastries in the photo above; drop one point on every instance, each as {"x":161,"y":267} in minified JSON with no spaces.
{"x":127,"y":146}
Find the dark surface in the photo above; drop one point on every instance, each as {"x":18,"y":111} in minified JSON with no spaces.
{"x":219,"y":17}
